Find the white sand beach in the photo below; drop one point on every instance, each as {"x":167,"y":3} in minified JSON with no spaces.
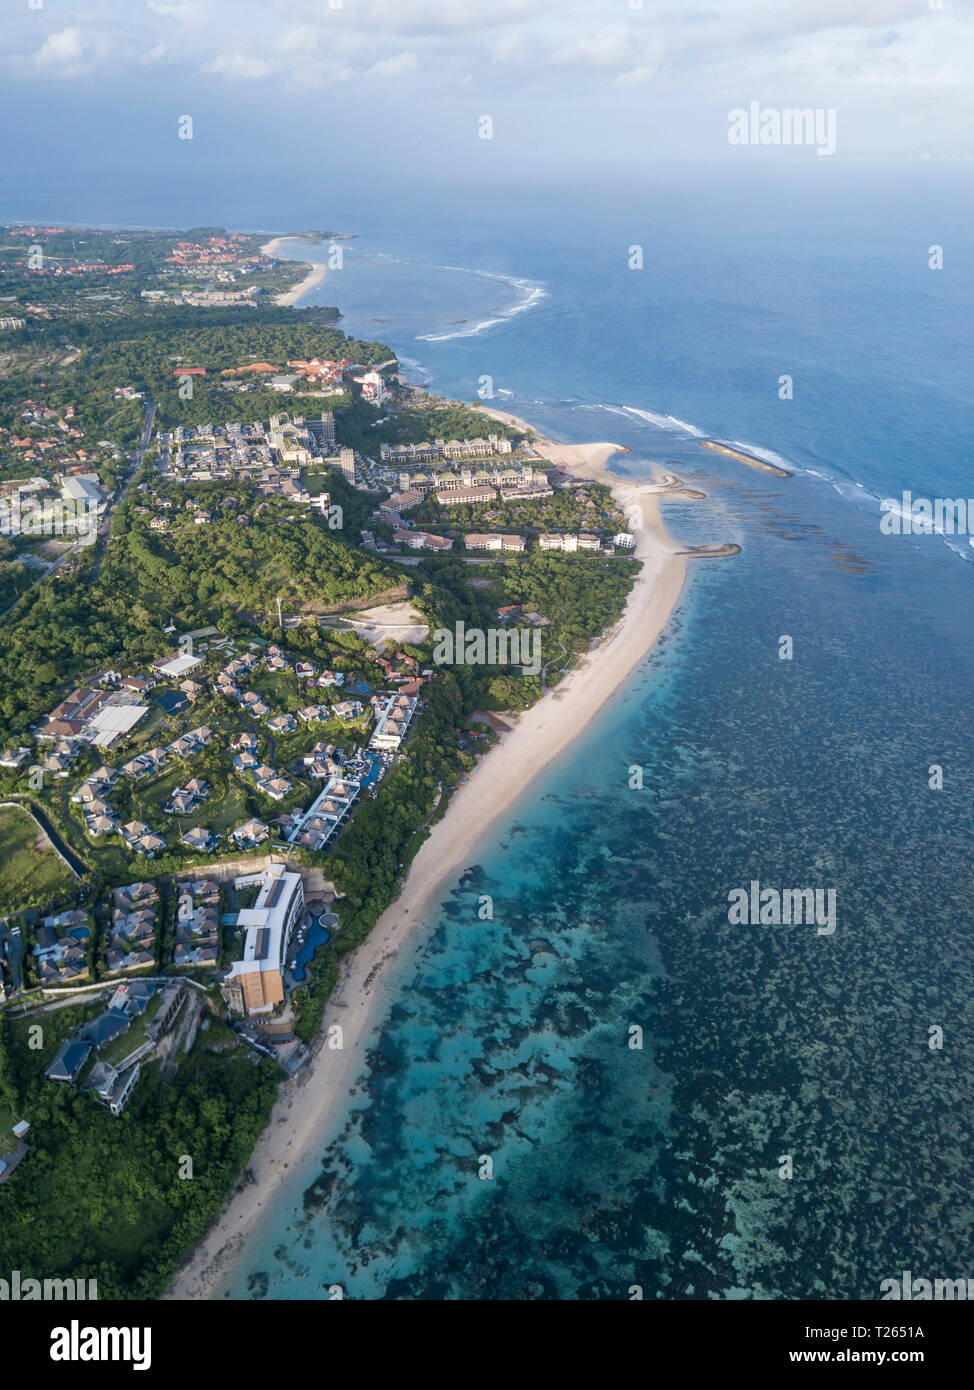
{"x":314,"y":277}
{"x":305,"y":1115}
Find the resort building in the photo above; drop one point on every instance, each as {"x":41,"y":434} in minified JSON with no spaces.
{"x":421,"y":540}
{"x":392,"y":721}
{"x":111,"y":1086}
{"x":402,"y":501}
{"x":255,"y":984}
{"x":568,"y":542}
{"x":373,"y":386}
{"x":440,"y":448}
{"x":494,"y":541}
{"x":313,"y":828}
{"x":68,"y":1061}
{"x":526,"y":492}
{"x":457,"y":496}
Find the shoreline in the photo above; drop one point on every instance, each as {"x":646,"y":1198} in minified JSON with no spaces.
{"x":305,"y":1112}
{"x":316,"y":273}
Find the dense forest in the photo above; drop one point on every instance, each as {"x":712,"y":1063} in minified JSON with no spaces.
{"x":436,"y":419}
{"x":570,"y":509}
{"x":223,"y":568}
{"x":146,"y":351}
{"x":195,"y":577}
{"x":104,"y":1197}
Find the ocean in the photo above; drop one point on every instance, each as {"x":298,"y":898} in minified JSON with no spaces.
{"x":675,"y":1105}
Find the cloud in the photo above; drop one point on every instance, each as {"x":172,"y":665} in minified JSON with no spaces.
{"x":603,"y":48}
{"x":394,"y":67}
{"x":242,"y":65}
{"x":62,"y":54}
{"x":634,"y":75}
{"x":804,"y":52}
{"x":634,"y":56}
{"x":429,"y":18}
{"x":301,"y":39}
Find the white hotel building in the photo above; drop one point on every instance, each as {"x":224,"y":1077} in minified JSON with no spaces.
{"x":255,"y":984}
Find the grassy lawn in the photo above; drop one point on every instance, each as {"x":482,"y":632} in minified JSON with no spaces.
{"x":280,"y":690}
{"x":347,"y":737}
{"x":149,"y":797}
{"x":29,"y":875}
{"x":226,"y":812}
{"x":56,"y":1025}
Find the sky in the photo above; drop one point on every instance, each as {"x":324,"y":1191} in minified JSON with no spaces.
{"x":403,"y":87}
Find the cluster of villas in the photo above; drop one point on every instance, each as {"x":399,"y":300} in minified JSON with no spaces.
{"x":154,"y":760}
{"x":270,"y":456}
{"x":197,"y":939}
{"x":229,"y":683}
{"x":60,"y":953}
{"x":324,"y":763}
{"x":312,"y":829}
{"x":92,"y":796}
{"x":101,"y":714}
{"x":135,"y":922}
{"x":393,"y":715}
{"x":271,"y":783}
{"x":99,"y":816}
{"x":271,"y":482}
{"x":58,"y":761}
{"x":323,"y":760}
{"x":104,"y":1057}
{"x":226,"y":449}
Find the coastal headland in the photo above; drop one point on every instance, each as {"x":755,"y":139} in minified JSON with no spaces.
{"x":307,"y":1112}
{"x":744,"y":457}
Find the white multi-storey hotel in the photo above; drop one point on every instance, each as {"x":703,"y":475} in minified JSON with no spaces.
{"x":255,"y":983}
{"x":568,"y":542}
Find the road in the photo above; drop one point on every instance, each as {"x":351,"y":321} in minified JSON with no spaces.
{"x":106,"y":523}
